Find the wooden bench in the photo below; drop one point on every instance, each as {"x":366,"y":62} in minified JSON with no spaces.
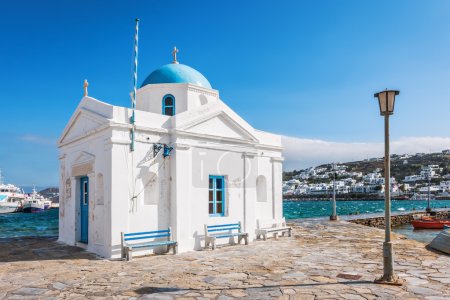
{"x":265,"y":227}
{"x":130,"y":241}
{"x":214,"y":232}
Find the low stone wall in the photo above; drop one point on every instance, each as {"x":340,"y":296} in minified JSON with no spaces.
{"x":397,"y":219}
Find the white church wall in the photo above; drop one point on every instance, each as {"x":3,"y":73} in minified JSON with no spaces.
{"x":87,"y":157}
{"x":206,"y":162}
{"x":267,"y":138}
{"x":187,"y":97}
{"x":67,"y":211}
{"x":199,"y":96}
{"x":181,"y":210}
{"x":150,"y":209}
{"x":277,"y":183}
{"x":102,"y":108}
{"x":150,"y":97}
{"x":152,"y":120}
{"x":264,"y":201}
{"x":99,"y":184}
{"x":184,"y":119}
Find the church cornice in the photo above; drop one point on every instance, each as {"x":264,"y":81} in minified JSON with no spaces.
{"x":201,"y":136}
{"x":189,"y":87}
{"x":277,"y":159}
{"x":203,"y":91}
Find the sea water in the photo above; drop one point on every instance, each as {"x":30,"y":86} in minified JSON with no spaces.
{"x":313,"y":209}
{"x":24,"y":224}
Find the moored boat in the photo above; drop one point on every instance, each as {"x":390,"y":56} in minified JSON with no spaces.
{"x":442,"y":241}
{"x":429,"y":223}
{"x":11,"y":197}
{"x":416,"y":196}
{"x":36,"y":203}
{"x":7,"y":205}
{"x":33,"y":206}
{"x":47,"y":204}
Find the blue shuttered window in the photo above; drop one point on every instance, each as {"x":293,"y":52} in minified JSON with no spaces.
{"x":168,"y":105}
{"x":216,"y":195}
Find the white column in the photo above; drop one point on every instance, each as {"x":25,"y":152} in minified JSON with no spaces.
{"x":277,"y":193}
{"x":73,"y":211}
{"x":91,"y":213}
{"x":120,"y":200}
{"x":249,"y":191}
{"x":62,"y":236}
{"x":180,"y":199}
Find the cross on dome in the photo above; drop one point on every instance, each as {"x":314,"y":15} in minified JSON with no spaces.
{"x":85,"y":86}
{"x":174,"y":53}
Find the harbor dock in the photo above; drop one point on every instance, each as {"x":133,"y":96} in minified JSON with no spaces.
{"x":322,"y":260}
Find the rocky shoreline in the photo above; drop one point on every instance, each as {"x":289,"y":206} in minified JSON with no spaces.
{"x":396,"y":220}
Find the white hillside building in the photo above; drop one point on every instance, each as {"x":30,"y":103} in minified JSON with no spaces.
{"x":195,"y":162}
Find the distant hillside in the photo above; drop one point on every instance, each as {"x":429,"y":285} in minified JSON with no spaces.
{"x":399,"y":168}
{"x":51,"y":193}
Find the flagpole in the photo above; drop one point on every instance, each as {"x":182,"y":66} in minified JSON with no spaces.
{"x":133,"y":101}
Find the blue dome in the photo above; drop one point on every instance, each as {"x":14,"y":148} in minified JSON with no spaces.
{"x":177,"y":73}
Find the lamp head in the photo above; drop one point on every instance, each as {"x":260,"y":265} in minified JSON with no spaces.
{"x":386,"y":100}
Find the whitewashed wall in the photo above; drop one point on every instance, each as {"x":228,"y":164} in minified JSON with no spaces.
{"x":92,"y":154}
{"x":208,"y":139}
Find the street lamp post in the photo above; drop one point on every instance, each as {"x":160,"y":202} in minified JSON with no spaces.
{"x":334,"y":216}
{"x":386,"y":101}
{"x":428,"y":202}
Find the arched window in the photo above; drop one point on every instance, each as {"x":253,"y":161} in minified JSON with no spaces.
{"x":168,"y":105}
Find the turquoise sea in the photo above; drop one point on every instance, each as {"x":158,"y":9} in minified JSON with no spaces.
{"x":313,"y":209}
{"x":23,"y":224}
{"x":46,"y":223}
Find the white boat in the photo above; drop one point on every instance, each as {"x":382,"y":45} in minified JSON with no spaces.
{"x":11,"y":197}
{"x":422,"y":197}
{"x":8,"y":205}
{"x":35,"y":203}
{"x":47,"y":204}
{"x":33,"y":206}
{"x":442,"y":241}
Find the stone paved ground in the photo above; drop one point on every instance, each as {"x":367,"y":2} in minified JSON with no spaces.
{"x":306,"y":266}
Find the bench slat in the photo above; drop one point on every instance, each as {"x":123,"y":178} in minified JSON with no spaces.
{"x":144,"y":245}
{"x":147,"y":232}
{"x":227,"y":235}
{"x":223,"y":229}
{"x":146,"y":237}
{"x":223,"y":225}
{"x":275,"y":228}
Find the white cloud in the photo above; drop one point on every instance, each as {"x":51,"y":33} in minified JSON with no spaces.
{"x":38,"y":139}
{"x":302,"y":153}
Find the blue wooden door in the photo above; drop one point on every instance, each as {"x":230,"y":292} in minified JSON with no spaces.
{"x":84,"y":209}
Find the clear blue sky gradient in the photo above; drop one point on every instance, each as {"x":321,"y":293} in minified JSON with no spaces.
{"x":299,"y":68}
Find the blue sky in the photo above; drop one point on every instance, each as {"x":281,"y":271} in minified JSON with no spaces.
{"x":305,"y":69}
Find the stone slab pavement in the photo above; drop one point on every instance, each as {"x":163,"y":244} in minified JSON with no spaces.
{"x":323,"y":260}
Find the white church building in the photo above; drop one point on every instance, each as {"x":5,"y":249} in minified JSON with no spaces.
{"x":195,"y":162}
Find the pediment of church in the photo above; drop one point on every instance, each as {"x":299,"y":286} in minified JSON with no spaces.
{"x":219,"y":125}
{"x":83,"y":124}
{"x":83,"y":164}
{"x":83,"y":158}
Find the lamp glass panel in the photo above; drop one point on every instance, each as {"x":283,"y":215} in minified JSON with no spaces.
{"x":382,"y":100}
{"x":391,"y":99}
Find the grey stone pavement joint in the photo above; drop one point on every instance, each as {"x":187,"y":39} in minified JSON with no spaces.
{"x":323,"y":260}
